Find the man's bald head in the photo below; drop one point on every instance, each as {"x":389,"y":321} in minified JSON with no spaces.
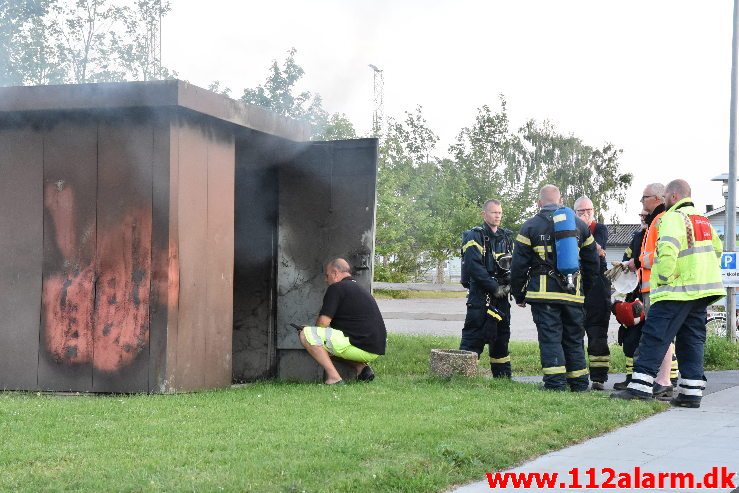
{"x":675,"y":191}
{"x":337,"y":269}
{"x":549,"y":194}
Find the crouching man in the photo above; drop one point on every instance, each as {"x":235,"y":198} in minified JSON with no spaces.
{"x":349,"y":326}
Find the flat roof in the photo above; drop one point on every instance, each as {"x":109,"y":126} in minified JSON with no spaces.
{"x":153,"y":94}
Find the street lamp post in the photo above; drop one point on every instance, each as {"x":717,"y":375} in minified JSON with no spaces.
{"x":730,"y":238}
{"x":729,"y":246}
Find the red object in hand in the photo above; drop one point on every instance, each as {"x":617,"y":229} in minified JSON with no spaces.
{"x":629,"y":314}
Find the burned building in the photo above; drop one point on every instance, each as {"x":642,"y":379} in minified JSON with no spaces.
{"x":157,"y":237}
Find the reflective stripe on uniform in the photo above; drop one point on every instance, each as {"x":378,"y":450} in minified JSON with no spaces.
{"x":555,"y":296}
{"x":695,"y":392}
{"x":646,"y":263}
{"x":687,"y":288}
{"x":523,"y":239}
{"x":577,"y":373}
{"x":672,"y":240}
{"x":643,"y":377}
{"x":692,"y":250}
{"x":504,"y":359}
{"x":599,"y":361}
{"x":588,"y":241}
{"x":692,"y":383}
{"x":639,"y":386}
{"x":471,"y":243}
{"x":553,"y":370}
{"x":495,"y":315}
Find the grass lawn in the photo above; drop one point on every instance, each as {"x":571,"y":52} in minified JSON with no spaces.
{"x":389,"y":294}
{"x":403,"y":432}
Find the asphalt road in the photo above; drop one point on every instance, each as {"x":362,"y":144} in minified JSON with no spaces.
{"x":445,"y":316}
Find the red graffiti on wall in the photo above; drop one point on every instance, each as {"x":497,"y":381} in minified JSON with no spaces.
{"x":96,"y":309}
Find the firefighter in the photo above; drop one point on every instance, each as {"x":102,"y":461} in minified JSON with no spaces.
{"x":630,"y":333}
{"x":653,"y":200}
{"x":686,"y":278}
{"x":556,"y":308}
{"x":486,"y":254}
{"x":597,"y":300}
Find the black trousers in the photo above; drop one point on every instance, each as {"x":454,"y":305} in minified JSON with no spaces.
{"x":480,"y":329}
{"x":597,"y":315}
{"x":630,"y":341}
{"x":560,"y":330}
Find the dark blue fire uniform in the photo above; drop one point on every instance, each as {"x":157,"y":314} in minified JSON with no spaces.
{"x":557,"y":312}
{"x":488,"y":319}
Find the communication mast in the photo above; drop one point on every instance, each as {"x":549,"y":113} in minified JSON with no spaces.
{"x":378,"y":113}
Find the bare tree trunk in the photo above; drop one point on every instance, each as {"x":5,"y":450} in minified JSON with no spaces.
{"x":439,"y":279}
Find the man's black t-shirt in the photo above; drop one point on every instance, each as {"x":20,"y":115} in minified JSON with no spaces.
{"x":355,"y":312}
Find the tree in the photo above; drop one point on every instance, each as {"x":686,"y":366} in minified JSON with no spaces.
{"x":87,"y":34}
{"x":338,"y":127}
{"x":405,"y":172}
{"x":27,"y":53}
{"x":448,"y":210}
{"x":489,"y":158}
{"x":138,"y":49}
{"x":60,"y":41}
{"x":577,"y":169}
{"x":276,"y":94}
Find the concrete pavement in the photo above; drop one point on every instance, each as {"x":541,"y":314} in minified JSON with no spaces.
{"x":445,"y":316}
{"x":676,"y":441}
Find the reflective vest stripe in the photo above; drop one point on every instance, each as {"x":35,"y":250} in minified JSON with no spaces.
{"x":553,"y":370}
{"x":672,"y":240}
{"x":687,"y":288}
{"x":521,"y":238}
{"x":471,"y":243}
{"x":692,"y":250}
{"x":588,"y":241}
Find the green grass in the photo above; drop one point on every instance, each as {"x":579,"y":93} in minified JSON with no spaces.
{"x":720,"y":354}
{"x":405,"y":431}
{"x":389,"y":294}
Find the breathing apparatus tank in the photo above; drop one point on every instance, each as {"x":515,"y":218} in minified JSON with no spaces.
{"x":565,"y":239}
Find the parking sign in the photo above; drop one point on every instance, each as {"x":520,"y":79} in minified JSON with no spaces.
{"x":729,"y":272}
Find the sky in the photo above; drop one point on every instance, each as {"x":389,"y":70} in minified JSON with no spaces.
{"x":651,"y":77}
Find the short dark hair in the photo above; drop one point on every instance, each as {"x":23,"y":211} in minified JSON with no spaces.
{"x":491,"y":201}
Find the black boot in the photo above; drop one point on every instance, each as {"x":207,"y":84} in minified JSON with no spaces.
{"x":622,"y":385}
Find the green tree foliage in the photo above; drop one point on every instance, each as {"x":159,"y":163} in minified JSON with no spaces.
{"x":137,"y":48}
{"x":577,"y":169}
{"x":62,"y":41}
{"x":28,"y":53}
{"x":422,"y":202}
{"x":405,"y":146}
{"x":278,"y":94}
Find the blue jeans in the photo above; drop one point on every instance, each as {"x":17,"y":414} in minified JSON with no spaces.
{"x":667,"y":320}
{"x":560,"y":330}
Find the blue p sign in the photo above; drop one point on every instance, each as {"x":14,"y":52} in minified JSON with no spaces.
{"x":728,"y":260}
